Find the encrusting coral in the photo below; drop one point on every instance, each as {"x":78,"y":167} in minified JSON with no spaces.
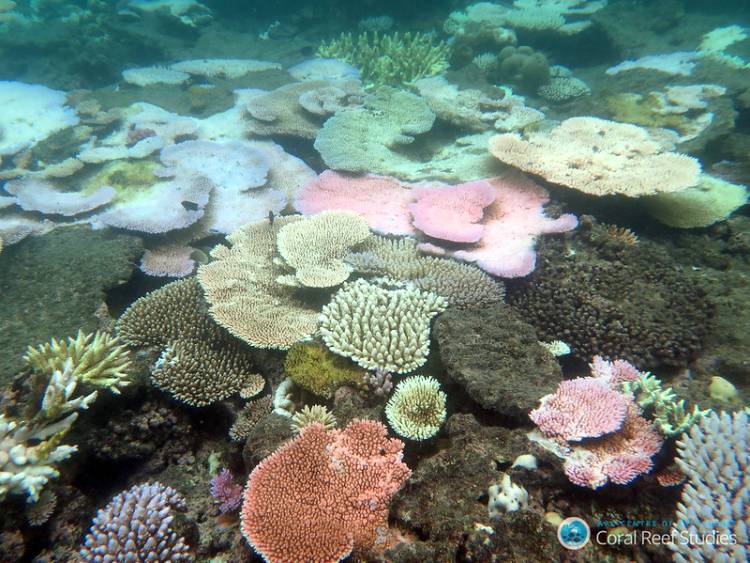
{"x":381,"y":324}
{"x":317,"y":369}
{"x":416,"y":410}
{"x":398,"y":58}
{"x":199,"y":362}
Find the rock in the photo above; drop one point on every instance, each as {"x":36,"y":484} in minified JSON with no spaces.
{"x":52,"y":285}
{"x":496,"y":357}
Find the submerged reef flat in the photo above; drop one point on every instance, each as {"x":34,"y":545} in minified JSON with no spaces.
{"x":462,"y":282}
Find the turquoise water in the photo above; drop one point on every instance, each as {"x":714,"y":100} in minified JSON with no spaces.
{"x":374,"y":281}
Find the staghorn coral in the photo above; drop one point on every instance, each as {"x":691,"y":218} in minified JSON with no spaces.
{"x":416,"y":410}
{"x":307,"y":416}
{"x":136,"y":526}
{"x":398,"y":58}
{"x":317,"y":369}
{"x":315,"y":247}
{"x":244,"y":297}
{"x":97,"y":359}
{"x":463,"y":285}
{"x":381,"y":324}
{"x":325,"y":494}
{"x":599,"y":157}
{"x":199,"y":362}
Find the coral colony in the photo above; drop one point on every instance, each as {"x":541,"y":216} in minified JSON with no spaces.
{"x":374,"y":281}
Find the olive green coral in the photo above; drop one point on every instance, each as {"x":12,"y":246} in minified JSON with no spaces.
{"x":416,"y":410}
{"x":312,"y":366}
{"x":398,"y":58}
{"x":670,"y":415}
{"x":98,"y":359}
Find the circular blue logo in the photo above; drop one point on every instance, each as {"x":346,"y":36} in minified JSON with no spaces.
{"x":573,"y":533}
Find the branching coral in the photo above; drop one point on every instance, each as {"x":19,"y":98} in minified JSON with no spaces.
{"x":391,"y":58}
{"x":381,"y":324}
{"x":307,"y":416}
{"x":97,"y":359}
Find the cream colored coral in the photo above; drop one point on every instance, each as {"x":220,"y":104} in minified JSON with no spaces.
{"x":317,"y":414}
{"x":381,"y":324}
{"x":240,"y":286}
{"x":416,"y":410}
{"x":315,"y":247}
{"x":599,"y":157}
{"x":462,"y":285}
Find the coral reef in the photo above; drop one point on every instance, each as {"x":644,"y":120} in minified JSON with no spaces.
{"x":389,"y":59}
{"x":416,"y":410}
{"x":334,"y":470}
{"x":312,"y":366}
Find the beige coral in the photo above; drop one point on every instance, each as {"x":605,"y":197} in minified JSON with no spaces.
{"x":463,"y":285}
{"x":315,"y":247}
{"x":599,"y":157}
{"x":199,"y":363}
{"x":244,"y":297}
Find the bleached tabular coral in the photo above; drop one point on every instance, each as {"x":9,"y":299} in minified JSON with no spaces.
{"x":316,"y":246}
{"x":17,"y":102}
{"x":475,"y":109}
{"x":148,"y":76}
{"x":416,"y":410}
{"x":715,"y":456}
{"x":323,"y":69}
{"x":225,"y":68}
{"x":188,"y":12}
{"x":599,"y":157}
{"x":381,"y":324}
{"x":33,"y":194}
{"x":679,"y":63}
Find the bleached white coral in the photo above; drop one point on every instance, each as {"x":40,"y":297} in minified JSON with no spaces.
{"x":506,"y":497}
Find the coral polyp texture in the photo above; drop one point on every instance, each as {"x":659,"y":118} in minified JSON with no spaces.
{"x":324,"y":495}
{"x":714,"y":455}
{"x":599,"y":157}
{"x":416,"y":410}
{"x":312,"y":366}
{"x":381,"y":324}
{"x":642,"y":307}
{"x":136,"y":525}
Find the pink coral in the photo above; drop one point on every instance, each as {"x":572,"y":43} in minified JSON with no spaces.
{"x":225,"y":490}
{"x":381,"y":201}
{"x":586,"y":407}
{"x":511,"y":225}
{"x":614,"y":372}
{"x":619,"y":457}
{"x":452,"y":212}
{"x":324,"y":494}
